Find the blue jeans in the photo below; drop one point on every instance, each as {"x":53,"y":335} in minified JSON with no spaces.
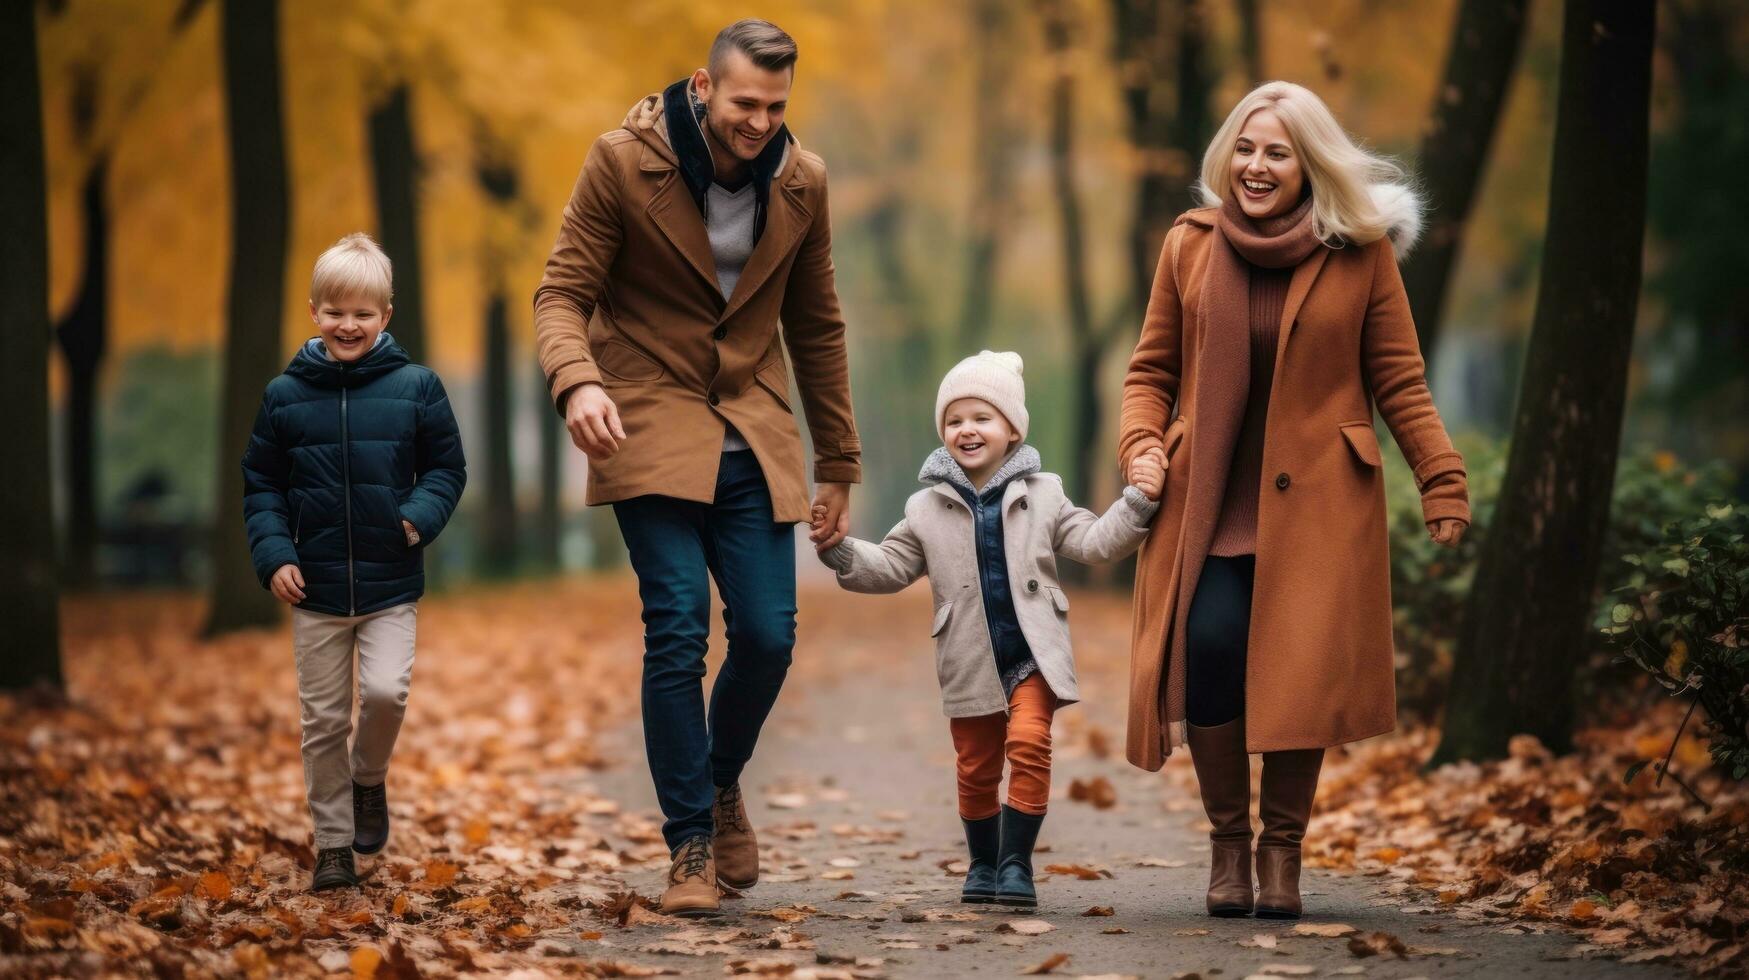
{"x":677,"y":547}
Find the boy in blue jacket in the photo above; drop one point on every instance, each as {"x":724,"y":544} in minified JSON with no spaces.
{"x":353,"y":469}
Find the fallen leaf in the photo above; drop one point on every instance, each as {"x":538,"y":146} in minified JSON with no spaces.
{"x":1055,"y":960}
{"x":1098,"y":910}
{"x":1329,"y":930}
{"x":1026,"y":927}
{"x":1080,"y":871}
{"x":1098,"y":791}
{"x":1374,"y":943}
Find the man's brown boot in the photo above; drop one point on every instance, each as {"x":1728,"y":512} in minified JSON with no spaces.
{"x":692,"y":882}
{"x":1290,"y":782}
{"x":735,"y":847}
{"x":1223,"y":774}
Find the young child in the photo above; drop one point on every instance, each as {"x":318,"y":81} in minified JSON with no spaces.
{"x":987,"y":532}
{"x":353,"y":469}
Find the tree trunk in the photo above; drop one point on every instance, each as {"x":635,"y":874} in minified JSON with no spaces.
{"x":1525,"y":631}
{"x":84,"y":334}
{"x":28,"y":569}
{"x":1086,"y":345}
{"x":549,"y":520}
{"x":1485,"y":41}
{"x":1251,"y":41}
{"x":498,"y":529}
{"x":395,"y":168}
{"x":256,"y":303}
{"x":993,"y":151}
{"x":1168,"y":117}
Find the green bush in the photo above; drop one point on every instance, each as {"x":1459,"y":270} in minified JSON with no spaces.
{"x":1430,"y":584}
{"x":1682,"y":617}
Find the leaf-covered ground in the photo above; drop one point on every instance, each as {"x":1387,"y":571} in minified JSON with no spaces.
{"x":158,"y":825}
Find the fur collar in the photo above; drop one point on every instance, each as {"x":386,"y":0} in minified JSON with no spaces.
{"x":941,"y":467}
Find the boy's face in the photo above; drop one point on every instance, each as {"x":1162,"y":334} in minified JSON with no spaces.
{"x":976,"y":434}
{"x":349,"y":324}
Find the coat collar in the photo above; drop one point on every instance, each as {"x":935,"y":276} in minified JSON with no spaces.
{"x":312,"y":363}
{"x":943,"y":473}
{"x":677,"y":211}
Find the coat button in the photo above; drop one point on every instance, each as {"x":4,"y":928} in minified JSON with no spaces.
{"x":720,"y":332}
{"x":1032,"y":585}
{"x":1281,"y":481}
{"x":715,"y":398}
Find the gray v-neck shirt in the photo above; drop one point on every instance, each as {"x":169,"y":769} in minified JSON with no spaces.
{"x":730,"y":224}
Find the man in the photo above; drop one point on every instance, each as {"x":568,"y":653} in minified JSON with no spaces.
{"x":693,"y":229}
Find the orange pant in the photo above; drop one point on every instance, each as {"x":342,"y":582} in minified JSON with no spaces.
{"x":1024,"y":736}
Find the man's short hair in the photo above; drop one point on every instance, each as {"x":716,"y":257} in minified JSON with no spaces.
{"x":353,"y":266}
{"x":764,"y":43}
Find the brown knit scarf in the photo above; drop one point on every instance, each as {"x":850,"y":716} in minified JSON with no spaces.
{"x":1223,"y":376}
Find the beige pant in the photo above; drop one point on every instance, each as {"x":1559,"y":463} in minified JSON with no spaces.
{"x":324,"y":645}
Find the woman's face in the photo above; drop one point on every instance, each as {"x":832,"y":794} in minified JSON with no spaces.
{"x":1265,"y":173}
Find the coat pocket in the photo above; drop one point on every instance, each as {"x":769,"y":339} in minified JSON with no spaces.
{"x":1059,"y":598}
{"x":1174,"y":436}
{"x":773,"y":377}
{"x":1363,"y":441}
{"x":942,"y":612}
{"x":621,"y":361}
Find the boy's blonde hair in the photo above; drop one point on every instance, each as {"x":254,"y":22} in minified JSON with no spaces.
{"x":353,"y":266}
{"x":1357,"y":196}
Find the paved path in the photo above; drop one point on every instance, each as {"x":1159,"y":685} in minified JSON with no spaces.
{"x":856,"y":768}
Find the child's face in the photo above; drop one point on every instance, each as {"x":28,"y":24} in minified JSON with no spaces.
{"x":976,"y":434}
{"x":349,"y":324}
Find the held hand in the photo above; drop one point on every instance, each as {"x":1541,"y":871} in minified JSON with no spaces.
{"x":1148,"y":473}
{"x":593,"y":421}
{"x":1446,"y":532}
{"x":287,"y":584}
{"x":831,"y":515}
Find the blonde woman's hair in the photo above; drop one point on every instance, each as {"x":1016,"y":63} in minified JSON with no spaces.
{"x":353,"y":266}
{"x":1357,"y":196}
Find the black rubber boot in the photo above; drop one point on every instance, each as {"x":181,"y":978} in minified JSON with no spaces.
{"x":370,"y":818}
{"x":334,"y":870}
{"x":1014,"y":871}
{"x":984,"y":843}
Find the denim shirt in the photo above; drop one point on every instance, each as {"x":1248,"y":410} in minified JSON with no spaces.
{"x":1014,"y":660}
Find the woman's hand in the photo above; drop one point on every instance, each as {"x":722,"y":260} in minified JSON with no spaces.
{"x":1148,"y":472}
{"x":1448,"y":532}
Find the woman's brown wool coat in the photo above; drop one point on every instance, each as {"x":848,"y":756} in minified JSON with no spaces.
{"x":1320,"y":663}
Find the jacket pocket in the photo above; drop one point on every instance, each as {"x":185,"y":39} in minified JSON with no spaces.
{"x":1174,"y":436}
{"x":621,"y":361}
{"x":774,"y":378}
{"x":1059,"y":598}
{"x":1363,"y":441}
{"x":942,"y":612}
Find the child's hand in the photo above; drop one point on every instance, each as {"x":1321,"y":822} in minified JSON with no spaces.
{"x":411,"y":532}
{"x":1447,"y":532}
{"x":817,"y":521}
{"x":1148,"y":472}
{"x":288,"y":584}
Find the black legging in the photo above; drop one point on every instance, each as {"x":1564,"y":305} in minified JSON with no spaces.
{"x":1215,"y":640}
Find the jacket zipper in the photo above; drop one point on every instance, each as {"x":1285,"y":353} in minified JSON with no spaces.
{"x":298,"y":522}
{"x":346,"y":492}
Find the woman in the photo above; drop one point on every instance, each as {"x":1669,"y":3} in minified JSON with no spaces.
{"x":1262,"y":618}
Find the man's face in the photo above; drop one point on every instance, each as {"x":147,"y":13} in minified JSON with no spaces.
{"x":745,"y":105}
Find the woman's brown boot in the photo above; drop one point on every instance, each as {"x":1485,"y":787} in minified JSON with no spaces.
{"x":1223,"y":774}
{"x":1290,"y":782}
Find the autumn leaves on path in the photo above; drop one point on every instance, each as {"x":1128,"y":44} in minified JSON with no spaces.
{"x":159,"y":823}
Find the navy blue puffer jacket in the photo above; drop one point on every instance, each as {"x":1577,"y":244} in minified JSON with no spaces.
{"x":340,"y":455}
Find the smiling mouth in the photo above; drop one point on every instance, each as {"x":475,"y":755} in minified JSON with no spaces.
{"x":1257,"y":187}
{"x":970,"y":447}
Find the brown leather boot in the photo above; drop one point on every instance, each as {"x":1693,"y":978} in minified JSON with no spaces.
{"x":1290,"y":782}
{"x":733,"y":845}
{"x":1223,"y":774}
{"x":692,"y":882}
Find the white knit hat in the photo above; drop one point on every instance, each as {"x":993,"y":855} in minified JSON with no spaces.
{"x":991,"y":375}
